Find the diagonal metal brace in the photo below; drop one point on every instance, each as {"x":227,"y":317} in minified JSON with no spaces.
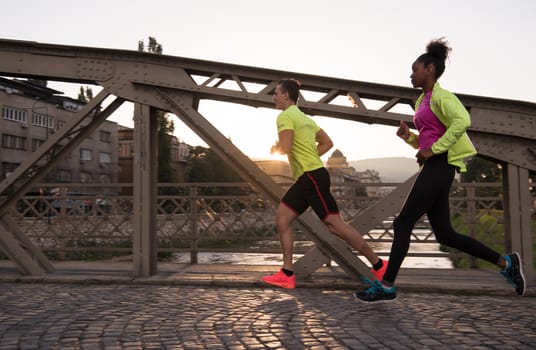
{"x":329,"y":244}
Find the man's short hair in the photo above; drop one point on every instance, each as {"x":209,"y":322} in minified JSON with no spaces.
{"x":292,"y":87}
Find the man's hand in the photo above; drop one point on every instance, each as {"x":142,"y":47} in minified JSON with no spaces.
{"x":275,"y":148}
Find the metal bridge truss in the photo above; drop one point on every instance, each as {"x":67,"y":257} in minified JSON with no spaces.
{"x":502,"y":130}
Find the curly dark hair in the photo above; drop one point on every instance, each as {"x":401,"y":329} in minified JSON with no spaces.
{"x":437,"y":52}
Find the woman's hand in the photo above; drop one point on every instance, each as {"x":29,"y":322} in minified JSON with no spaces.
{"x":423,"y":155}
{"x":403,"y":131}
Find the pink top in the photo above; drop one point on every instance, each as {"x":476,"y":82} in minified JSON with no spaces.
{"x":429,"y":126}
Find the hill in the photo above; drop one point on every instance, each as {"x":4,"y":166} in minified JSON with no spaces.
{"x":393,"y":169}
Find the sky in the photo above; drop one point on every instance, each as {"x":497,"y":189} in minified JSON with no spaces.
{"x":373,"y":41}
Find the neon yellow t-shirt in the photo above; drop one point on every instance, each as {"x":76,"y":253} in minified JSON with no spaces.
{"x":303,"y":155}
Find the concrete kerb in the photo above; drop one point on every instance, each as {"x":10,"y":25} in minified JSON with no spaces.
{"x":462,"y":282}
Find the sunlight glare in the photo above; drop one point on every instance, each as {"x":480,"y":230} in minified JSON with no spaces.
{"x":278,"y":156}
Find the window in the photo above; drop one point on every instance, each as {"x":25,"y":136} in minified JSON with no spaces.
{"x":86,"y":154}
{"x":14,"y":142}
{"x":105,"y":136}
{"x":10,"y":90}
{"x":85,"y":177}
{"x":60,"y":124}
{"x":126,"y":150}
{"x":8,"y":168}
{"x":15,"y":114}
{"x":104,"y":178}
{"x":43,"y":120}
{"x":105,"y":158}
{"x":72,"y":106}
{"x":63,"y":176}
{"x":36,"y":143}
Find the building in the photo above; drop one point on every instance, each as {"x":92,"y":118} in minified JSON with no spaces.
{"x":31,"y":112}
{"x":278,"y":170}
{"x":341,"y":172}
{"x":179,"y":156}
{"x":126,"y":155}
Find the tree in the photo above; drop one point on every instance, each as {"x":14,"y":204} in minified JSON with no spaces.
{"x":166,"y":172}
{"x":152,"y":46}
{"x":481,"y":170}
{"x":85,"y":95}
{"x":204,"y":165}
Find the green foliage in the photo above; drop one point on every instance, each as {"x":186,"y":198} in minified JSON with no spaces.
{"x":152,"y":46}
{"x":124,"y":247}
{"x":532,"y":179}
{"x":204,"y":165}
{"x":488,"y":231}
{"x":166,"y":172}
{"x":85,"y":95}
{"x":480,"y":170}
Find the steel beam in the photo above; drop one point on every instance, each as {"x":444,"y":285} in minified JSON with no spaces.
{"x":145,"y":186}
{"x":28,"y":258}
{"x":369,"y":218}
{"x":503,"y":130}
{"x":26,"y":169}
{"x":504,"y":148}
{"x":517,"y":214}
{"x":331,"y":246}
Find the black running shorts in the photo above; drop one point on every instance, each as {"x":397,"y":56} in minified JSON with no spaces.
{"x":312,"y":189}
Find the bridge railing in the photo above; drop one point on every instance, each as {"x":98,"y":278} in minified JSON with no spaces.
{"x":89,"y":221}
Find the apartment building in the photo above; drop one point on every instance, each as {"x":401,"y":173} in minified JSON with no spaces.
{"x":179,"y":156}
{"x":31,"y":112}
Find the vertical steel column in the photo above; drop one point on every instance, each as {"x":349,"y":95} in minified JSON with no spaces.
{"x":517,"y":217}
{"x":145,"y":183}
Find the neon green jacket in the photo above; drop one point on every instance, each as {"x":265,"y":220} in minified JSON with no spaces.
{"x":451,"y":112}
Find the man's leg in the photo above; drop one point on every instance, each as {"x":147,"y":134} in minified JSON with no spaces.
{"x":283,"y":219}
{"x":351,"y":236}
{"x":285,"y":278}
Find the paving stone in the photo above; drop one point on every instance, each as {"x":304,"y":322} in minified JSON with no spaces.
{"x":117,"y":316}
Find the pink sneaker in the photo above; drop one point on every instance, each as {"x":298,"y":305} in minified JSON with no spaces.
{"x":281,"y":280}
{"x":379,"y":274}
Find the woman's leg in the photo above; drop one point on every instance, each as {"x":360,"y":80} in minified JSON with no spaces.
{"x":439,"y":217}
{"x":419,"y":200}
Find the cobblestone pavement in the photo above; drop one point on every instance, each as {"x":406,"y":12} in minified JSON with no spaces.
{"x":93,"y":316}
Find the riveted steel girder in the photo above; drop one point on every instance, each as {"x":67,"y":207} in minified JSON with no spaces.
{"x":501,"y":129}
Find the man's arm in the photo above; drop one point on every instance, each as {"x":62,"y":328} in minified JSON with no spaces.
{"x":324,"y":142}
{"x":284,"y":144}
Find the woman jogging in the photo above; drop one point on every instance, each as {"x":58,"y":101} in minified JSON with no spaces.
{"x":304,"y":142}
{"x":443,"y":144}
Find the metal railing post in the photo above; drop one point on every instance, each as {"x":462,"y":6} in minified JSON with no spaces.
{"x":472,"y":220}
{"x":194,"y":214}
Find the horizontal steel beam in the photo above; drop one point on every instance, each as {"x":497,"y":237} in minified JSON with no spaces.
{"x":121,"y":67}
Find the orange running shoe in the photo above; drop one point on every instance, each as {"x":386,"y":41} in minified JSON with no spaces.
{"x":281,"y":280}
{"x":379,"y":274}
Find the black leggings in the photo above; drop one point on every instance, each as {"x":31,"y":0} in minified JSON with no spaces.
{"x":430,"y":195}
